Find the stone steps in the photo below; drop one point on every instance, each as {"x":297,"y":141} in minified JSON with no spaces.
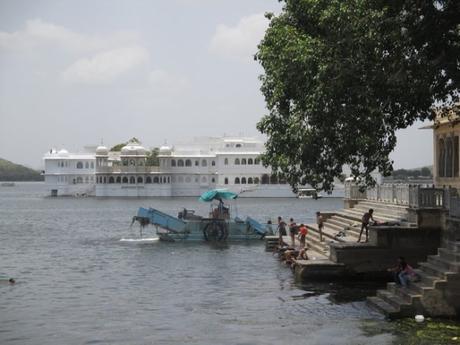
{"x":434,"y":274}
{"x":358,"y":214}
{"x":383,"y":307}
{"x":388,"y":206}
{"x":381,"y":209}
{"x":449,"y":254}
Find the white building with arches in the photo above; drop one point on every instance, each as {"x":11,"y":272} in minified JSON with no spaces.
{"x":70,"y":173}
{"x":187,"y":169}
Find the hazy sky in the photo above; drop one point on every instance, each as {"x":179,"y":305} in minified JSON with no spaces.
{"x":75,"y":72}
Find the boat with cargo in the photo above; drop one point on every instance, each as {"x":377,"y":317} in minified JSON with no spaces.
{"x":217,"y":226}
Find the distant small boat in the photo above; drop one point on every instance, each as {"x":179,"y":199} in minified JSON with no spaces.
{"x":308,"y":193}
{"x":7,"y":184}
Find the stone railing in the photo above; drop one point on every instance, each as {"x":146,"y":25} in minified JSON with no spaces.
{"x":414,"y":196}
{"x":454,"y":204}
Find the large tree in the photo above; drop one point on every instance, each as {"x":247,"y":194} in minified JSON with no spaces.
{"x":341,"y":76}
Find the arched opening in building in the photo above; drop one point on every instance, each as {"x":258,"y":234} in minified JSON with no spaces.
{"x":125,"y":179}
{"x":79,"y":165}
{"x":226,"y":161}
{"x":441,"y":158}
{"x":250,"y":161}
{"x":265,"y":179}
{"x":111,"y":179}
{"x":188,"y":163}
{"x":118,"y":179}
{"x":226,"y":180}
{"x":156,"y":180}
{"x":237,"y":180}
{"x":132,"y":180}
{"x":173,"y":162}
{"x":204,"y":163}
{"x":256,"y":180}
{"x":243,"y":180}
{"x":250,"y":180}
{"x":148,"y":179}
{"x":140,"y":180}
{"x":237,"y":161}
{"x":243,"y":161}
{"x":180,"y":163}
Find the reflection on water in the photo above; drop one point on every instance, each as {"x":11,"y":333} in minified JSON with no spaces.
{"x":78,"y":284}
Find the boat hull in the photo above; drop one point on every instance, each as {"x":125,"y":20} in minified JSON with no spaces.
{"x":210,"y":232}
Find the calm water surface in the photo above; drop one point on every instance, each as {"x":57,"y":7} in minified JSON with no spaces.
{"x":78,"y":284}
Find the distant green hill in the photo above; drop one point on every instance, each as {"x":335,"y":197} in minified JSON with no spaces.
{"x":15,"y":172}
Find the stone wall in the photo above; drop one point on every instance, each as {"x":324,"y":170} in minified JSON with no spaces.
{"x":386,"y":245}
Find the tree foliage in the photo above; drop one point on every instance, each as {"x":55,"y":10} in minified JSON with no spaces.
{"x":152,"y":157}
{"x":341,"y":76}
{"x":118,"y":147}
{"x":10,"y":171}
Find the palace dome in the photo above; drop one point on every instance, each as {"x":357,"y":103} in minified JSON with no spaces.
{"x":63,"y":153}
{"x":102,"y":151}
{"x":133,"y":149}
{"x":165,"y":150}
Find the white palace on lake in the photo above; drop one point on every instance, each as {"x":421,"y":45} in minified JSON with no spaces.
{"x":184,"y":170}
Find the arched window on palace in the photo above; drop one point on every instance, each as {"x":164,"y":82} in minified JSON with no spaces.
{"x":213,"y":163}
{"x":86,"y":165}
{"x":250,"y":180}
{"x":250,"y":161}
{"x":257,"y":161}
{"x":132,"y":180}
{"x":156,"y":180}
{"x":79,"y":165}
{"x":456,"y":158}
{"x":204,"y":163}
{"x":148,"y":179}
{"x":188,"y":163}
{"x":125,"y":179}
{"x":243,"y":180}
{"x":237,"y":161}
{"x":118,"y":179}
{"x":173,"y":162}
{"x":140,"y":180}
{"x":180,"y":163}
{"x":243,"y":161}
{"x":226,"y":180}
{"x":111,"y":179}
{"x":226,"y":161}
{"x":265,"y":179}
{"x":256,"y":180}
{"x":237,"y":180}
{"x":197,"y":163}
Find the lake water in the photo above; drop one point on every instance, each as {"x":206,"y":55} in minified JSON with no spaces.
{"x":78,"y":284}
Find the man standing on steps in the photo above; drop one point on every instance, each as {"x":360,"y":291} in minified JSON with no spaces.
{"x":320,"y":222}
{"x":365,"y":224}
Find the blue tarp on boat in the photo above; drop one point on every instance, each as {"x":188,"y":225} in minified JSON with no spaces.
{"x":217,"y":194}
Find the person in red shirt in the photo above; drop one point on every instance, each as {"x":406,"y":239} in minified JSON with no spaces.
{"x":303,"y":231}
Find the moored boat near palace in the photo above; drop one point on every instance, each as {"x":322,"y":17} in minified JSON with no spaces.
{"x":219,"y":226}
